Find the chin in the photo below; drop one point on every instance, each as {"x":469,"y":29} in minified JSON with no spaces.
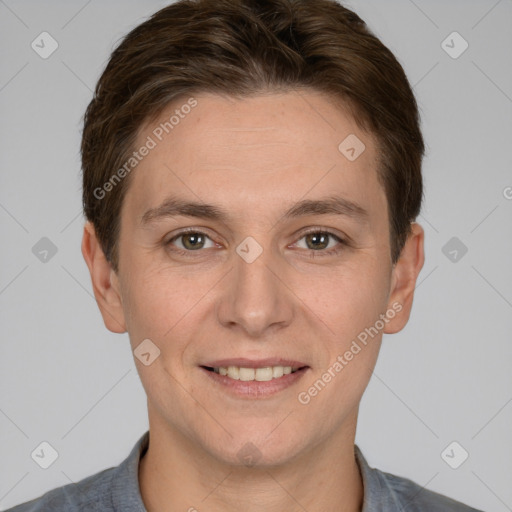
{"x":262,"y":450}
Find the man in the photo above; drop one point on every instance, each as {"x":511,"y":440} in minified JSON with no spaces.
{"x":251,"y":178}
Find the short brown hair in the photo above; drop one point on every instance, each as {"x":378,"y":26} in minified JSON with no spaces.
{"x":239,"y":48}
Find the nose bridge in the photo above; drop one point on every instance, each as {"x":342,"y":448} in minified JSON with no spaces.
{"x":257,"y":298}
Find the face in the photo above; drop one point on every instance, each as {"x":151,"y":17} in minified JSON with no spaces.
{"x":249,"y":239}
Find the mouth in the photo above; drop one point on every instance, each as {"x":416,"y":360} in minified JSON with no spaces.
{"x":245,"y":378}
{"x":260,"y":374}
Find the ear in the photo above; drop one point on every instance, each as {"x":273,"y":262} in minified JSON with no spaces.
{"x":403,"y":279}
{"x":104,"y":281}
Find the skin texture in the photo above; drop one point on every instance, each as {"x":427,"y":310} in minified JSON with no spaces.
{"x":255,"y":157}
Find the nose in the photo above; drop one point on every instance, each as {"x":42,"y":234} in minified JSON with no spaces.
{"x":257,"y":298}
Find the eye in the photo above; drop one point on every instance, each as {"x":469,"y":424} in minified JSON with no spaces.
{"x":188,"y":241}
{"x":323,"y":242}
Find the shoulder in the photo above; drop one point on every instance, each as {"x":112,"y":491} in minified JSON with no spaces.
{"x":415,"y":498}
{"x":91,"y":494}
{"x":116,"y":488}
{"x":385,"y":492}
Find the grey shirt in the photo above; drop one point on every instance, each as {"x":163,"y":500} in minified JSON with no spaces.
{"x":117,"y":489}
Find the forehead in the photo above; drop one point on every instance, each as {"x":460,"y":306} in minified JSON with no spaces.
{"x":255,"y":152}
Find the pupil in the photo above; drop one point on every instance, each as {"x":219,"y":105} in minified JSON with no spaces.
{"x":316,"y":237}
{"x":195,"y":238}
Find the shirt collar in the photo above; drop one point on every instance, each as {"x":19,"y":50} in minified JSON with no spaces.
{"x":125,"y":490}
{"x":378,"y":495}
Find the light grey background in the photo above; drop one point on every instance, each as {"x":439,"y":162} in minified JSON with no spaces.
{"x":66,"y":380}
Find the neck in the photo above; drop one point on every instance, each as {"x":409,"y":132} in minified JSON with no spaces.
{"x":177,"y":474}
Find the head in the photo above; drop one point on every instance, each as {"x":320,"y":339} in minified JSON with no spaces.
{"x":295,"y":133}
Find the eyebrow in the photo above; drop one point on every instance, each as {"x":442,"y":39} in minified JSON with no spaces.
{"x":333,"y":205}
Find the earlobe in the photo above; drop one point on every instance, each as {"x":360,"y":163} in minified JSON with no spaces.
{"x":403,"y":280}
{"x":104,"y":281}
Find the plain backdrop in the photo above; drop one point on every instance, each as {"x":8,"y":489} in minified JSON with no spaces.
{"x":66,"y":380}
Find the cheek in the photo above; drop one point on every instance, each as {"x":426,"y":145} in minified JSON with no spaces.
{"x":164,"y":305}
{"x":152,"y":305}
{"x":357,"y":299}
{"x":348,"y":300}
{"x":350,"y":351}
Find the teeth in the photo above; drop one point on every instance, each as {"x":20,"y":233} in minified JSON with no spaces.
{"x":259,"y":374}
{"x":233,"y":372}
{"x":277,"y":371}
{"x":246,"y":373}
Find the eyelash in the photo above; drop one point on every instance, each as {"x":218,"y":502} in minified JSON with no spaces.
{"x":312,"y":253}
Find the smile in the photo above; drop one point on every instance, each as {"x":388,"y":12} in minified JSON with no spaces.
{"x":262,"y":374}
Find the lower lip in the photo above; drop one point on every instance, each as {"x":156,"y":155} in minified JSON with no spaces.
{"x":254,"y":388}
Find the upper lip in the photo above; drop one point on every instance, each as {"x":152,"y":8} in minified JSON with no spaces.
{"x":254,"y":363}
